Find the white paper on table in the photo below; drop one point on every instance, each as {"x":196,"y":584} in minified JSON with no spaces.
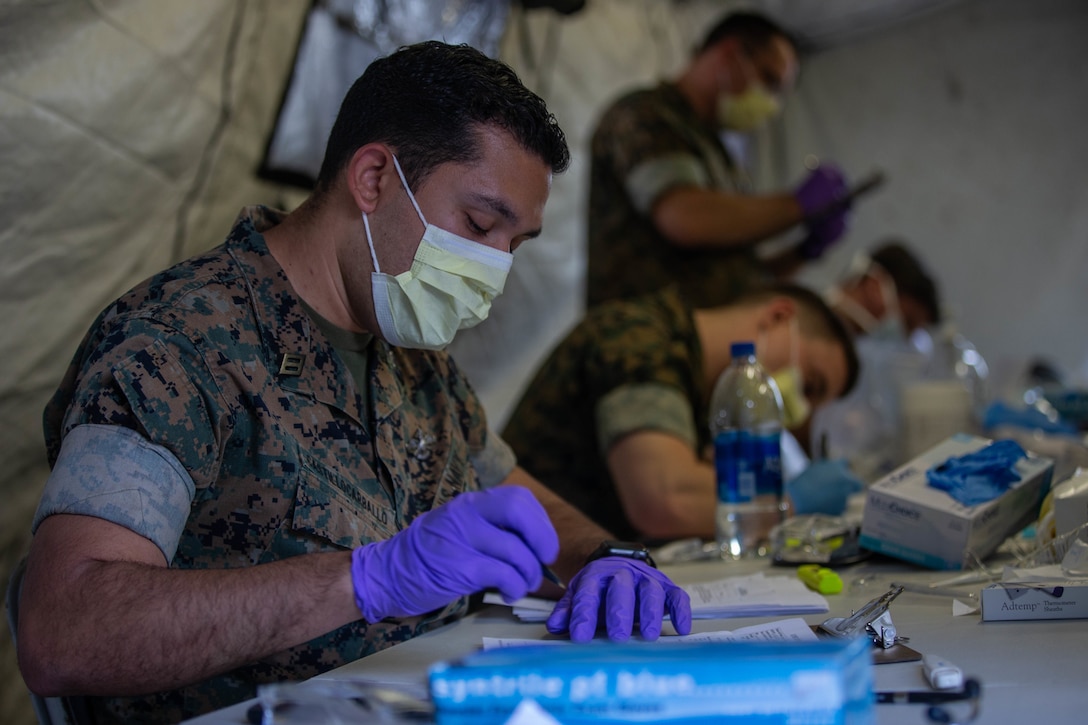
{"x":784,"y":630}
{"x":960,"y":608}
{"x":754,"y":595}
{"x":527,"y":609}
{"x":528,"y":712}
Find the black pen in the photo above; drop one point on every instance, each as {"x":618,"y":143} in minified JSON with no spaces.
{"x":971,"y":690}
{"x":552,"y":576}
{"x":918,"y":696}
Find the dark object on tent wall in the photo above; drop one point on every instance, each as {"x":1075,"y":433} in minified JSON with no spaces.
{"x":338,"y":42}
{"x":564,"y":7}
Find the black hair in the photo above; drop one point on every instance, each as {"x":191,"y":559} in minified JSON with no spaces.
{"x":820,"y":320}
{"x":910,"y":276}
{"x":428,"y":101}
{"x":752,"y":29}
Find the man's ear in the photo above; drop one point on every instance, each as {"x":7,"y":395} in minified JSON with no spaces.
{"x":366,"y":170}
{"x":775,"y":311}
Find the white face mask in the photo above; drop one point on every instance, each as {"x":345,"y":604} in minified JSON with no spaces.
{"x":749,"y":110}
{"x":449,"y":286}
{"x":889,"y":327}
{"x":791,"y":383}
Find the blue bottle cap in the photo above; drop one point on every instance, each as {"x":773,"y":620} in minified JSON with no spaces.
{"x":742,"y":349}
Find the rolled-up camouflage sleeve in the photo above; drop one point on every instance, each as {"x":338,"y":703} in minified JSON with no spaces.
{"x":652,"y":178}
{"x":114,"y":473}
{"x":644,"y":406}
{"x":149,"y":377}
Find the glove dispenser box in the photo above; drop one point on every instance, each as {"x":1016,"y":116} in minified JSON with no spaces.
{"x":906,"y":518}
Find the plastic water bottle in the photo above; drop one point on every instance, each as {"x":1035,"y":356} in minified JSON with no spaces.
{"x":746,"y":427}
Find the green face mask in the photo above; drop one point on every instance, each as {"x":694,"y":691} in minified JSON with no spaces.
{"x":749,"y":110}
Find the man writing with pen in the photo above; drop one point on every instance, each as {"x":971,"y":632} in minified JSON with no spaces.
{"x":265,"y":466}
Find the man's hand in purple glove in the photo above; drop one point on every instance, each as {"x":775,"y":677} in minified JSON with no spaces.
{"x":627,"y":589}
{"x":822,"y":235}
{"x":479,"y":540}
{"x":817,"y":194}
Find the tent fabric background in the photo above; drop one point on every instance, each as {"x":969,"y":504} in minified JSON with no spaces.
{"x":131,"y":131}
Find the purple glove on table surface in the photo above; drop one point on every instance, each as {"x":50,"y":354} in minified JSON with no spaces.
{"x":494,"y":539}
{"x":629,"y":590}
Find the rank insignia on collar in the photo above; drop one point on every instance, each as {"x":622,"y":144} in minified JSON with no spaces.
{"x":420,"y":445}
{"x":291,"y":363}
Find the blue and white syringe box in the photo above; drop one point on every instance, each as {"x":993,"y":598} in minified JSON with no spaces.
{"x":908,"y":519}
{"x":828,"y":682}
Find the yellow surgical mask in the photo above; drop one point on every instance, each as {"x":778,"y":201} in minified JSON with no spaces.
{"x":748,"y":110}
{"x":791,"y":383}
{"x":449,"y":287}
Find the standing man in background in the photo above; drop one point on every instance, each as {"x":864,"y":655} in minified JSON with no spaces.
{"x":667,"y":202}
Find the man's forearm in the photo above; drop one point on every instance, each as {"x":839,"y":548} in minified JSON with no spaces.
{"x":702,"y":218}
{"x":130,"y":627}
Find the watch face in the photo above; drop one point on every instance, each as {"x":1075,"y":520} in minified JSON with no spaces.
{"x":626,"y":549}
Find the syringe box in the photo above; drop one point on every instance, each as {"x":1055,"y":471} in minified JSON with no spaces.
{"x":908,"y":519}
{"x":826,"y":682}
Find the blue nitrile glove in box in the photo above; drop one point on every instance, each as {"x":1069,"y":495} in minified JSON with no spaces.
{"x":1030,"y":418}
{"x":980,"y":476}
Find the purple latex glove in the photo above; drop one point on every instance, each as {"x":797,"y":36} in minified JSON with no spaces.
{"x":627,"y":588}
{"x":822,"y":235}
{"x":824,"y":186}
{"x":479,"y":540}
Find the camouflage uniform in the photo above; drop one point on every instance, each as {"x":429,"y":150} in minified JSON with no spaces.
{"x":216,"y":361}
{"x":629,"y":365}
{"x":645,"y":144}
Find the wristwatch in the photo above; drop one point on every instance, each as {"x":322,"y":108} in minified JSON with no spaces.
{"x":626,"y":549}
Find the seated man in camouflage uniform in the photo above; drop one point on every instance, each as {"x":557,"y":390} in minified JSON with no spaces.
{"x":265,"y":466}
{"x":616,"y":419}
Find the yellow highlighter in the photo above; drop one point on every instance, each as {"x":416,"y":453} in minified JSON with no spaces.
{"x":820,"y":578}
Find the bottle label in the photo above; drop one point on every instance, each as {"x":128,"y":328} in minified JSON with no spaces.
{"x":748,"y":465}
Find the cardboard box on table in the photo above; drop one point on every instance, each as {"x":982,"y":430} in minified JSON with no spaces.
{"x":827,"y":682}
{"x":1010,"y":601}
{"x":908,"y":519}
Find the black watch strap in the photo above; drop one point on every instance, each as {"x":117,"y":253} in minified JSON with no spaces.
{"x":626,"y":549}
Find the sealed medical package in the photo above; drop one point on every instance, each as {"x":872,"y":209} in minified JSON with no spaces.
{"x":827,"y":682}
